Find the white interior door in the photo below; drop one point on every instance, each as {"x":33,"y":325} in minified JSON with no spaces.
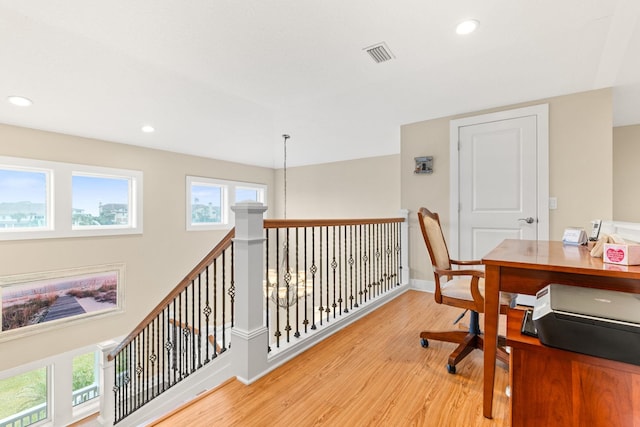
{"x":500,"y":189}
{"x":498,"y":197}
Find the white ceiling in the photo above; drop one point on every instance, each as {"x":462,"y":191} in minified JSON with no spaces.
{"x":226,"y":78}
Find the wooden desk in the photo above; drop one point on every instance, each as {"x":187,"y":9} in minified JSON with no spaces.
{"x":553,"y":387}
{"x":526,"y":266}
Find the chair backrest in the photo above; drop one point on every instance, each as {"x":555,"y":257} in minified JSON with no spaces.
{"x":434,"y":239}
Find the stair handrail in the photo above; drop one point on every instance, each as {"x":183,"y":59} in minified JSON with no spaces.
{"x":224,"y":244}
{"x":300,"y":223}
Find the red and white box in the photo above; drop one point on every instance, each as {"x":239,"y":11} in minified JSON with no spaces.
{"x":621,"y":254}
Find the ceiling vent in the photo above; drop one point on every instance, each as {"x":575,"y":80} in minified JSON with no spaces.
{"x":380,"y":52}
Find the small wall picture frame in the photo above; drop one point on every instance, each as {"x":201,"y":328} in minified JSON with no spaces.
{"x":424,"y":165}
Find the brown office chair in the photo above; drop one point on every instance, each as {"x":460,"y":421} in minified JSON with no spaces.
{"x":463,"y":288}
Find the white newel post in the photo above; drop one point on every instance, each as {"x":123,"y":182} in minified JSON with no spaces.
{"x":107,"y":378}
{"x":404,"y":251}
{"x":249,"y":336}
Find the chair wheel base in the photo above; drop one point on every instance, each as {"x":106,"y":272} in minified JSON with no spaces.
{"x":451,"y":369}
{"x":424,"y":342}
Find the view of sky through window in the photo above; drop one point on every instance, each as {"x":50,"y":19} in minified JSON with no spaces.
{"x":244,"y":194}
{"x":89,"y":192}
{"x":22,"y":186}
{"x":23,"y":199}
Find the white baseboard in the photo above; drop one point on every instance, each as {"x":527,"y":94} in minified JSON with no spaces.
{"x":423,"y":285}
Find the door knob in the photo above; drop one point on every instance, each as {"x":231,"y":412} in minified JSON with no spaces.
{"x":527,"y":220}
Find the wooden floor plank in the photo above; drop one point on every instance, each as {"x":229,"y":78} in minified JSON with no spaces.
{"x":372,"y":373}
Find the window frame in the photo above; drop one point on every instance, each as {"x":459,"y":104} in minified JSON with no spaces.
{"x":60,"y":199}
{"x":131,"y":205}
{"x":228,"y":199}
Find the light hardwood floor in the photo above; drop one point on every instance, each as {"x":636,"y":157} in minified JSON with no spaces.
{"x":372,"y":373}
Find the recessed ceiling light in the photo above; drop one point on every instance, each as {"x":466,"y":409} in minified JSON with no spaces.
{"x":147,"y":129}
{"x":20,"y":101}
{"x":467,"y":27}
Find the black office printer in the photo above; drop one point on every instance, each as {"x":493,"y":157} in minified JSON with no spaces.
{"x":596,"y":322}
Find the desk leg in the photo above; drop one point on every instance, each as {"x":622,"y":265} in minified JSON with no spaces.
{"x":491,"y":314}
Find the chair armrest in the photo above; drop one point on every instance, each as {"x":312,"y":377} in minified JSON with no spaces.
{"x":476,"y":275}
{"x":470,"y":262}
{"x":443,"y":272}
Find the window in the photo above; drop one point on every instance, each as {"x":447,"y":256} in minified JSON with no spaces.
{"x":85,"y":378}
{"x":100,"y":201}
{"x":209,"y":201}
{"x":25,"y":199}
{"x":24,"y":398}
{"x":40,"y":199}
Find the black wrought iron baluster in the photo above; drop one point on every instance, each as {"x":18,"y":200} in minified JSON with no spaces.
{"x":117,"y":390}
{"x":339,"y":269}
{"x":287,"y":284}
{"x":185,"y":333}
{"x":192,"y":329}
{"x":374,"y":263}
{"x":399,"y":252}
{"x":306,"y":294}
{"x":199,"y":310}
{"x":130,"y":390}
{"x":385,"y":258}
{"x":224,"y":305}
{"x":297,"y":286}
{"x":149,"y":364}
{"x":378,"y":259}
{"x":207,"y":312}
{"x":174,"y":343}
{"x":276,"y":289}
{"x":349,"y":263}
{"x":394,"y":248}
{"x":320,"y":263}
{"x":157,"y":352}
{"x":144,"y":363}
{"x":161,"y":350}
{"x":232,"y":286}
{"x":334,"y":265}
{"x":178,"y":326}
{"x":370,"y":262}
{"x":358,"y":258}
{"x":136,"y":376}
{"x":314,"y":270}
{"x":215,"y":307}
{"x":328,"y":310}
{"x":127,"y":384}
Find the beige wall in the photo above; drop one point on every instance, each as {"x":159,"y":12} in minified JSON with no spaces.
{"x":580,"y":172}
{"x":626,"y":173}
{"x":362,"y":188}
{"x":155,"y":261}
{"x":580,"y":167}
